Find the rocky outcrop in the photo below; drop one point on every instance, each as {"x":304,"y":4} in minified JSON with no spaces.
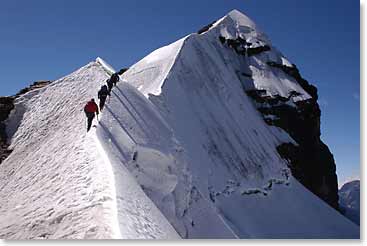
{"x":294,"y":72}
{"x":122,"y":70}
{"x":311,"y":161}
{"x":6,"y":106}
{"x":242,"y":47}
{"x":205,"y":28}
{"x":34,"y":86}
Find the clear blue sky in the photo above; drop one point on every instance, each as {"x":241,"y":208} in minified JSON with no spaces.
{"x":42,"y":39}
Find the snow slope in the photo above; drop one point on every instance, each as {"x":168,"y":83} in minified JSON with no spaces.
{"x":230,"y":153}
{"x":156,"y":67}
{"x":58,"y":182}
{"x":180,"y":151}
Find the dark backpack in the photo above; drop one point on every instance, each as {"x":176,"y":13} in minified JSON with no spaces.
{"x":109,"y":83}
{"x":114,"y":78}
{"x":103,"y":92}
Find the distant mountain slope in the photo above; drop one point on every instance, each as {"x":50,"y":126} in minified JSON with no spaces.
{"x":349,"y":200}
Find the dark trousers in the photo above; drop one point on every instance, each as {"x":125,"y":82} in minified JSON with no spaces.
{"x":110,"y":86}
{"x":90,"y":117}
{"x":102,"y":101}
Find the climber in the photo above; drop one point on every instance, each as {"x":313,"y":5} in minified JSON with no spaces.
{"x":90,"y":110}
{"x":112,"y":81}
{"x":102,"y":96}
{"x":109,"y":84}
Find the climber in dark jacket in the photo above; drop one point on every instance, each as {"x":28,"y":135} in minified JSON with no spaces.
{"x":113,"y":81}
{"x":102,"y":96}
{"x":90,"y":110}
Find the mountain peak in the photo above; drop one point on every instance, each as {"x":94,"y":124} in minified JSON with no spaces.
{"x":203,"y":138}
{"x":236,"y":24}
{"x":241,"y":18}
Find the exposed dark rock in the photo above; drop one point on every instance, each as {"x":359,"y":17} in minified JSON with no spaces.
{"x":253,"y":192}
{"x":260,"y":96}
{"x":291,"y":153}
{"x":206,"y":28}
{"x":314,"y":167}
{"x":257,"y":50}
{"x":247,"y":75}
{"x":122,"y":71}
{"x":34,"y":86}
{"x":222,"y":39}
{"x":242,"y":47}
{"x":6,"y":106}
{"x":294,"y":72}
{"x":311,"y":162}
{"x":4,"y":152}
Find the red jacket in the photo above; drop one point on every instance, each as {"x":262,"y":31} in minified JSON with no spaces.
{"x":91,"y":107}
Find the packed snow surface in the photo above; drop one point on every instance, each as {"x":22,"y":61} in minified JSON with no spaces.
{"x":58,"y":182}
{"x":180,"y":151}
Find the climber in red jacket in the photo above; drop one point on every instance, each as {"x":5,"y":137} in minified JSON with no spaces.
{"x":90,"y":110}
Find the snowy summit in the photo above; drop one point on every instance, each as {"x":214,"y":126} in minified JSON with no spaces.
{"x":191,"y":144}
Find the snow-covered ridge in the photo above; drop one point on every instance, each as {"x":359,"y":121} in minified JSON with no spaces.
{"x":49,"y":187}
{"x":109,"y":69}
{"x":58,"y":183}
{"x":180,"y":151}
{"x":156,"y":66}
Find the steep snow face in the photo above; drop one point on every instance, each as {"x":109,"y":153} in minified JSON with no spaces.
{"x":136,"y":137}
{"x":230,"y":153}
{"x":156,"y":67}
{"x":58,"y":181}
{"x":349,"y":200}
